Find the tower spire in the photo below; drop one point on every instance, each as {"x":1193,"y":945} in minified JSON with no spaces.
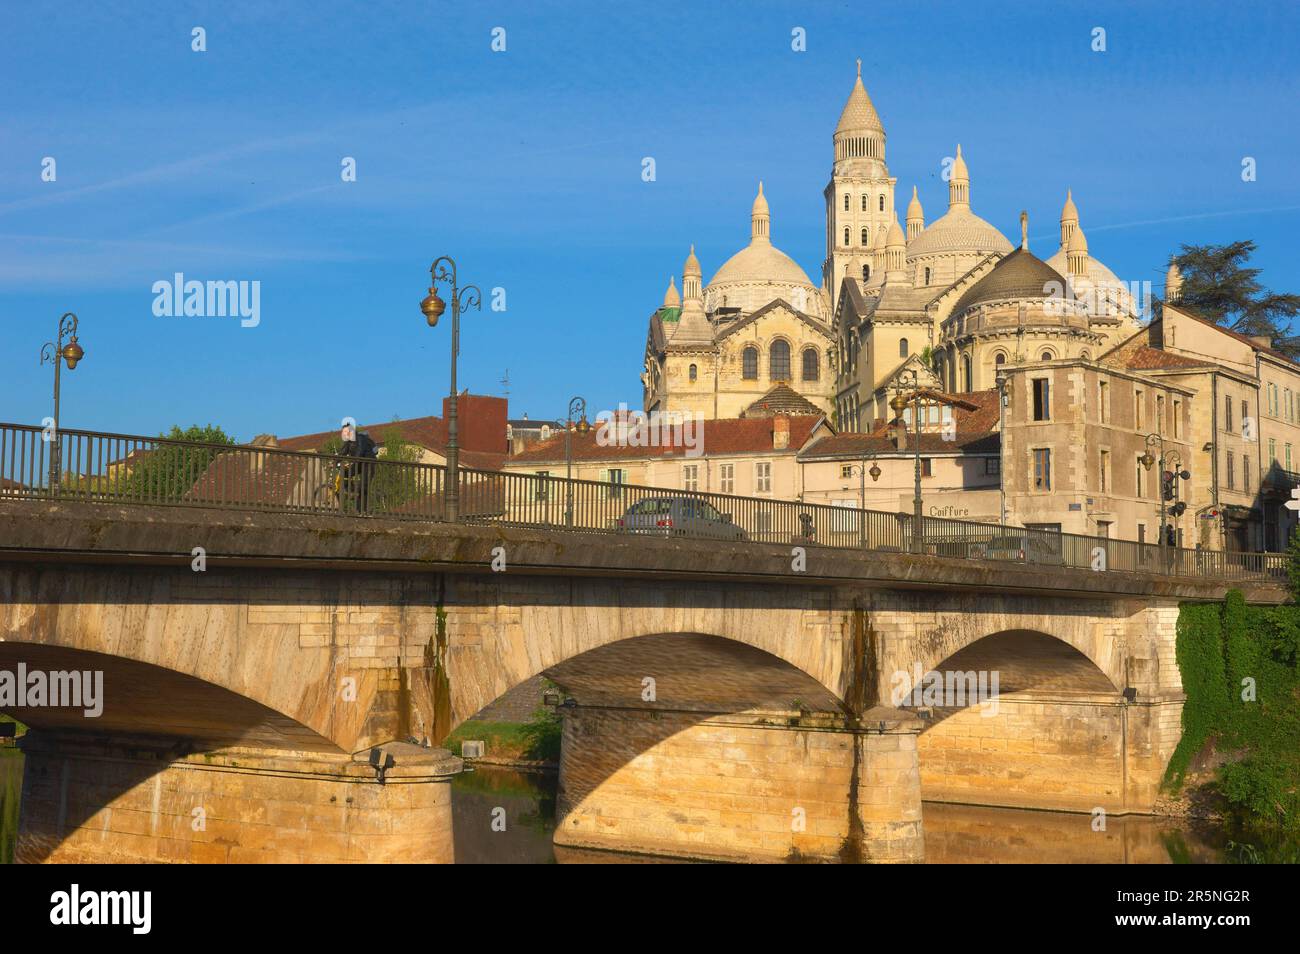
{"x":958,"y":182}
{"x":915,"y":217}
{"x":760,"y":220}
{"x":1069,"y":219}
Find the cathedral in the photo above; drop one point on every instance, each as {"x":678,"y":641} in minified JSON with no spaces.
{"x":943,"y":305}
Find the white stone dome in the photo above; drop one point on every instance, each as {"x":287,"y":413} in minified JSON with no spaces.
{"x":758,"y":275}
{"x":1098,"y":276}
{"x":958,"y":230}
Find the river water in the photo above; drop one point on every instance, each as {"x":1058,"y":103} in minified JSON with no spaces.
{"x":954,"y":833}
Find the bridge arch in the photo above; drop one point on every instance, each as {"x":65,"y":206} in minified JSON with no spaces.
{"x":1047,"y":727}
{"x":508,"y":634}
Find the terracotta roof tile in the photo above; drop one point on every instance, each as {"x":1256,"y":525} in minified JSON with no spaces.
{"x":715,"y":437}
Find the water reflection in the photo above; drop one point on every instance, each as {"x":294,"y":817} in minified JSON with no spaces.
{"x":503,"y":816}
{"x":954,"y":834}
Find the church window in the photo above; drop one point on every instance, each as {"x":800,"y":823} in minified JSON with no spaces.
{"x":965,"y":370}
{"x":927,"y":276}
{"x":864,"y":202}
{"x":866,"y":273}
{"x":846,"y":202}
{"x":749,"y":364}
{"x":999,"y":358}
{"x":1047,"y":356}
{"x":778,"y":361}
{"x":694,"y":372}
{"x":864,"y":237}
{"x":882,"y":203}
{"x":846,"y":236}
{"x":902,"y":347}
{"x":811,"y":364}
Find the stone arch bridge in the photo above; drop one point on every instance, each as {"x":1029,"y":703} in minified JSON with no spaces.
{"x":284,"y":702}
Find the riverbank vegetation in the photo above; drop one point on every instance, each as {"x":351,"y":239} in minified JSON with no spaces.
{"x":535,"y":741}
{"x":1240,"y":668}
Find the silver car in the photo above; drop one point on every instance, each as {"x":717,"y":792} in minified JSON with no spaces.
{"x":679,"y":517}
{"x":1019,"y":548}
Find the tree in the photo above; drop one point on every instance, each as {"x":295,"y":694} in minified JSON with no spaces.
{"x":168,"y":472}
{"x":1218,"y":285}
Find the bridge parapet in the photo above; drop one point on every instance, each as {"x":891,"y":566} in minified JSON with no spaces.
{"x":116,"y":469}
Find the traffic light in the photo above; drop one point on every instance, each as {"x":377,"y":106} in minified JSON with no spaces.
{"x":1167,"y":485}
{"x":1178,"y":509}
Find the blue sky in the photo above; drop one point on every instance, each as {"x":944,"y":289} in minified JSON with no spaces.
{"x":526,"y":166}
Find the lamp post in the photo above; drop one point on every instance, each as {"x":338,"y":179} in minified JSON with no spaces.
{"x":908,"y":380}
{"x":1172,"y":458}
{"x":863,"y":471}
{"x":1001,"y":381}
{"x":443,"y":269}
{"x":71,"y":353}
{"x":577,"y":408}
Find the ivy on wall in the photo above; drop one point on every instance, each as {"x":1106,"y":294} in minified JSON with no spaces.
{"x":1241,"y":673}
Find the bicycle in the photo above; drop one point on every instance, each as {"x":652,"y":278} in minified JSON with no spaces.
{"x":341,"y":492}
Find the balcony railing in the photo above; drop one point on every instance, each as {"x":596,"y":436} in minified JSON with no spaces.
{"x":120,"y":468}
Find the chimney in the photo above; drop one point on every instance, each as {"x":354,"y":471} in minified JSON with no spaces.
{"x":780,"y":432}
{"x":481,"y":424}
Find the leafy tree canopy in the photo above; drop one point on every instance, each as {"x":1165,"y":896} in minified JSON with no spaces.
{"x":1218,"y":284}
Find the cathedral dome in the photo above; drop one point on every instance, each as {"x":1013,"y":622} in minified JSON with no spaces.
{"x":958,"y":230}
{"x":757,"y":275}
{"x":760,"y":273}
{"x":1098,"y":276}
{"x":1021,"y":275}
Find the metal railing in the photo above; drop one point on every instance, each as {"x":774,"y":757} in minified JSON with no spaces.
{"x":120,"y":468}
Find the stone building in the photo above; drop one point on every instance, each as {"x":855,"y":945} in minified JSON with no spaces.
{"x":893,"y":294}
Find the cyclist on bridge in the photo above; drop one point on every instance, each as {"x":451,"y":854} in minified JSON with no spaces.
{"x":360,"y":451}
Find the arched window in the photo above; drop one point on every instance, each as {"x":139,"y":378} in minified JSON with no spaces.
{"x":811,"y":365}
{"x":965,"y":370}
{"x":1084,"y":356}
{"x":866,"y":273}
{"x":1047,"y":356}
{"x":846,"y":236}
{"x":749,"y":364}
{"x":865,"y":233}
{"x":882,"y":202}
{"x":864,"y":202}
{"x":902,"y":348}
{"x":927,"y":276}
{"x":694,"y":372}
{"x":846,"y":202}
{"x":778,"y":361}
{"x":999,"y":358}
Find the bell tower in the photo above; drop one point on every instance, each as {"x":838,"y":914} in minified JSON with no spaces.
{"x":860,"y":195}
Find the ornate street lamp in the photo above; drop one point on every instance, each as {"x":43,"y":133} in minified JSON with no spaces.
{"x":909,"y":382}
{"x":863,"y":472}
{"x":443,"y":269}
{"x":1172,"y":459}
{"x":1001,"y":382}
{"x":578,"y":409}
{"x":71,"y":354}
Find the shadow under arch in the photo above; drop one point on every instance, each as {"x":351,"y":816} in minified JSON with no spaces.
{"x":1051,"y":736}
{"x":158,"y":711}
{"x":1024,"y":661}
{"x":635,"y":700}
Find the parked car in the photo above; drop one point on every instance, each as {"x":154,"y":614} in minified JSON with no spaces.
{"x":679,"y":517}
{"x":1020,"y":548}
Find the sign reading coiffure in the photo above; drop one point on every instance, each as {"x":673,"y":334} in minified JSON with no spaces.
{"x":977,"y":505}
